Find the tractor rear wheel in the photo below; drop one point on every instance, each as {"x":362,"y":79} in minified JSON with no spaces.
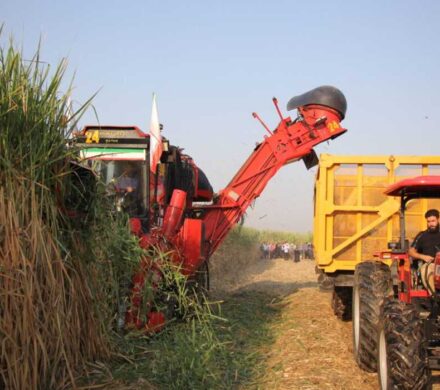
{"x":402,"y":356}
{"x":372,"y":283}
{"x":341,"y":303}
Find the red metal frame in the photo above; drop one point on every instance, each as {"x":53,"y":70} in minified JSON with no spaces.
{"x":405,"y":287}
{"x":406,"y":291}
{"x":289,"y":142}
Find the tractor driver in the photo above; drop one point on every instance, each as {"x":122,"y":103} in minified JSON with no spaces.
{"x":425,"y":246}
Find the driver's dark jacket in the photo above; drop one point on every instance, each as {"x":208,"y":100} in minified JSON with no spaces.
{"x":427,"y":243}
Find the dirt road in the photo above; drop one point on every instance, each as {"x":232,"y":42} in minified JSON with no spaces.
{"x":313,"y":349}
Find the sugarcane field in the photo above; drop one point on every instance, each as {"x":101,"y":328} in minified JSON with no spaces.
{"x":219,"y":195}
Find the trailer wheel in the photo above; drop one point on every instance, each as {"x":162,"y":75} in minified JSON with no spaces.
{"x":325,"y":282}
{"x":402,"y":357}
{"x":341,"y":302}
{"x":372,"y":283}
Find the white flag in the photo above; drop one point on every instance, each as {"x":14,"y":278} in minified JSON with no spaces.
{"x":155,"y":137}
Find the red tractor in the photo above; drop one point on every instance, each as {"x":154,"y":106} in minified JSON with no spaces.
{"x":396,"y":319}
{"x":176,"y":209}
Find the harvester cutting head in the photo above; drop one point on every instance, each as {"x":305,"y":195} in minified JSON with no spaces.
{"x":325,"y":95}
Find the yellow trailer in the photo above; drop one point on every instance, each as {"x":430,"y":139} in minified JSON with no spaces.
{"x":353,"y":218}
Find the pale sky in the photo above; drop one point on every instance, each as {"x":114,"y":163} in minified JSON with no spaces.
{"x":212,"y":63}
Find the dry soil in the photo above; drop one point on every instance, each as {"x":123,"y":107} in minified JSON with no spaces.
{"x":313,"y":349}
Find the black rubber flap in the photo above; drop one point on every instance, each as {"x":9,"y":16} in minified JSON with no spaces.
{"x":325,"y":95}
{"x":311,"y":159}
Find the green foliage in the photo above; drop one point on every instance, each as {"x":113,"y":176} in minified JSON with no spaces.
{"x":104,"y":241}
{"x":48,"y":326}
{"x":208,"y":350}
{"x":243,"y":235}
{"x":281,"y":236}
{"x":61,"y":277}
{"x":189,"y":354}
{"x":246,"y":236}
{"x":218,"y":345}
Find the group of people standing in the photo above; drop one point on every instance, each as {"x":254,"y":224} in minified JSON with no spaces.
{"x":286,"y":250}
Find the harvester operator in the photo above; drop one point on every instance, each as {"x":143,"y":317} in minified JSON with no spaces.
{"x":129,"y":180}
{"x":128,"y":185}
{"x":425,"y":246}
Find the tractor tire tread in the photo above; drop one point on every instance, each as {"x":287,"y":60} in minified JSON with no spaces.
{"x":406,"y":346}
{"x":375,"y":283}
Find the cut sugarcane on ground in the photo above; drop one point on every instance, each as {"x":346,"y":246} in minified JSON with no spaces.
{"x":311,"y":348}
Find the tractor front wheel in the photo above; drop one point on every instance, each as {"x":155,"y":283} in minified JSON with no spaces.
{"x":372,"y":283}
{"x":402,"y":357}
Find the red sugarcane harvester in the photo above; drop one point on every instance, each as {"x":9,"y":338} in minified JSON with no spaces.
{"x":176,"y":208}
